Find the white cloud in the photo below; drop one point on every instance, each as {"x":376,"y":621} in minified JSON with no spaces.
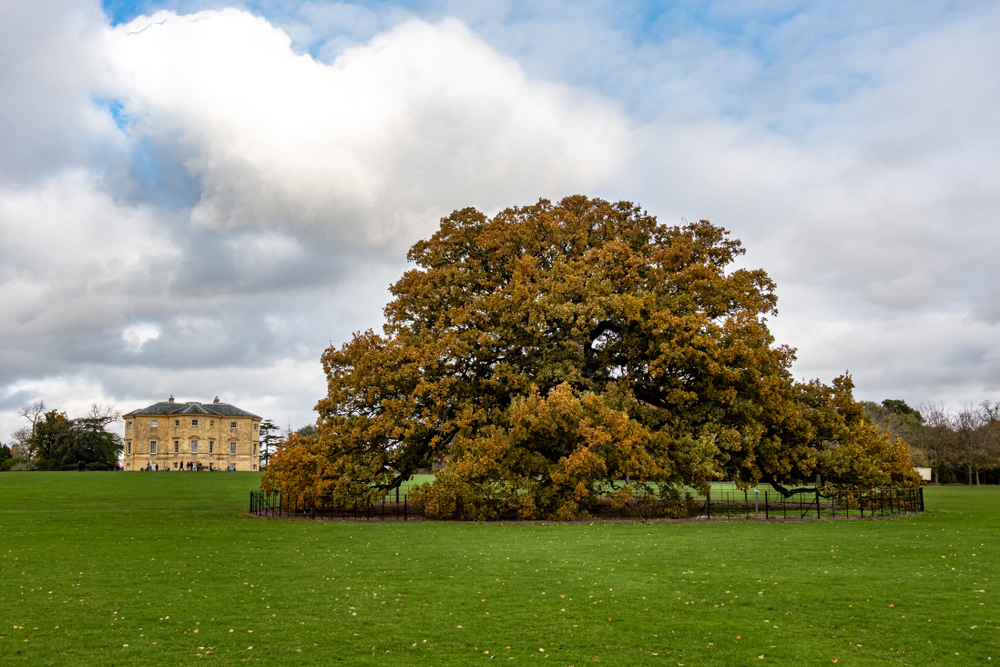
{"x":137,"y":334}
{"x":367,"y":150}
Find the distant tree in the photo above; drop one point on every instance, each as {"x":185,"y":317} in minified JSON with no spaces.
{"x":900,"y":408}
{"x":270,"y":436}
{"x":4,"y":453}
{"x":553,"y":352}
{"x":33,"y":413}
{"x":935,"y":441}
{"x":20,"y":443}
{"x":976,"y":440}
{"x":966,"y":441}
{"x":898,"y":420}
{"x":60,"y":441}
{"x":308,"y":430}
{"x":51,"y":437}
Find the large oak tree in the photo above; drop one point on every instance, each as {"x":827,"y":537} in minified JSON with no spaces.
{"x":555,"y":351}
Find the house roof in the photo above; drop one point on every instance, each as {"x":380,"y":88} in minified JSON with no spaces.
{"x":192,"y":408}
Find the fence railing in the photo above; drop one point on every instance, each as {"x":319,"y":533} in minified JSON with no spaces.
{"x":715,"y":506}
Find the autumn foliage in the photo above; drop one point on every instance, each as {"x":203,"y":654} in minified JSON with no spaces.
{"x":557,"y":351}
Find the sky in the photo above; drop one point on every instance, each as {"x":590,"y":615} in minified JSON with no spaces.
{"x":198,"y":197}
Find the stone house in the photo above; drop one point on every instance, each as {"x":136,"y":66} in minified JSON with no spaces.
{"x":192,"y":436}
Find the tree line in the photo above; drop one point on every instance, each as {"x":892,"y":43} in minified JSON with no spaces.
{"x":51,"y":440}
{"x":960,"y":445}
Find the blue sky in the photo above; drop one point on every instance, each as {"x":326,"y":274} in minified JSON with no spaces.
{"x":198,"y":206}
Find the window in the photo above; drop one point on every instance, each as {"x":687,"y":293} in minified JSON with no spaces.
{"x":177,"y":422}
{"x":177,"y":447}
{"x":194,"y":422}
{"x":128,"y":424}
{"x":255,"y":450}
{"x":255,"y":427}
{"x":254,"y":466}
{"x":128,"y":448}
{"x":232,"y":424}
{"x":152,"y":446}
{"x":175,"y":465}
{"x":232,"y":448}
{"x":211,"y":422}
{"x":211,"y":447}
{"x":153,"y":423}
{"x":194,"y":446}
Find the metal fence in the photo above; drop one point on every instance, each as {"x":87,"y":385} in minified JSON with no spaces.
{"x":714,"y":506}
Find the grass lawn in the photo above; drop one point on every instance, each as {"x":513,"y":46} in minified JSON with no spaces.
{"x":161,"y":568}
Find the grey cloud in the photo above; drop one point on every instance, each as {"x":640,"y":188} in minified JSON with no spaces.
{"x":49,"y":75}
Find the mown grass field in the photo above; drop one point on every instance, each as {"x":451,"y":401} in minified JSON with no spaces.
{"x":166,"y":569}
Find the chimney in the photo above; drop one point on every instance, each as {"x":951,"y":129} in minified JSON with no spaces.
{"x":216,"y":400}
{"x":171,"y":399}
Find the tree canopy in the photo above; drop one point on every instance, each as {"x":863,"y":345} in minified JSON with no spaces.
{"x":555,"y":351}
{"x":950,"y":442}
{"x":58,"y":441}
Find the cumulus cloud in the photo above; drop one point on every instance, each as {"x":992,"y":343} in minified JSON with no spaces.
{"x":367,"y":151}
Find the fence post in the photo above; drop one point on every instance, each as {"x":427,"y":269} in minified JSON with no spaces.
{"x":708,"y":504}
{"x":817,"y":504}
{"x":404,"y":506}
{"x":767,"y":514}
{"x":921,"y":499}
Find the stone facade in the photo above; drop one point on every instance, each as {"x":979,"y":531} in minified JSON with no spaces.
{"x":192,"y":436}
